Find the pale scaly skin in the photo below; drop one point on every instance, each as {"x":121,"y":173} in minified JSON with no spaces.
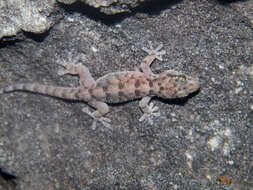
{"x":119,"y":87}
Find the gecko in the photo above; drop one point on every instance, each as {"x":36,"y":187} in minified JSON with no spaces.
{"x":118,"y":87}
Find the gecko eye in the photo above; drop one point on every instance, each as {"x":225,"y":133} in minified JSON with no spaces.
{"x":181,"y":78}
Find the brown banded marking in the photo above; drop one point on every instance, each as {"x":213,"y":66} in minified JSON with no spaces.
{"x":110,"y":79}
{"x":132,"y":76}
{"x":76,"y":94}
{"x":90,"y":91}
{"x":46,"y":89}
{"x":131,"y":95}
{"x":121,"y":86}
{"x":151,"y":92}
{"x":125,"y":97}
{"x":128,"y":75}
{"x":115,"y":97}
{"x":121,"y":94}
{"x":150,"y":83}
{"x":98,"y":93}
{"x":164,"y":78}
{"x":103,"y":84}
{"x":83,"y":94}
{"x":64,"y":93}
{"x":174,"y":92}
{"x":156,"y":79}
{"x":137,"y":83}
{"x":143,"y":82}
{"x":137,"y":93}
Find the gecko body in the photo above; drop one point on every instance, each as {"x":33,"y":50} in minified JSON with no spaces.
{"x":119,"y":87}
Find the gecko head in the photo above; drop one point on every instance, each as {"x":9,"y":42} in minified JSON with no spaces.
{"x":179,"y":85}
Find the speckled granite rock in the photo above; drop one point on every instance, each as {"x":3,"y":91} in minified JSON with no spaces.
{"x":245,"y":8}
{"x":39,"y":16}
{"x":109,"y":6}
{"x":29,"y":16}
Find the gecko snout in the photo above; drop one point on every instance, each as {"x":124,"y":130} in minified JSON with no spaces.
{"x":193,"y":85}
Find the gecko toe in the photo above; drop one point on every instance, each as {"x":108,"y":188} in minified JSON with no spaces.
{"x":151,"y":112}
{"x":104,"y":120}
{"x":156,"y":52}
{"x":159,"y":47}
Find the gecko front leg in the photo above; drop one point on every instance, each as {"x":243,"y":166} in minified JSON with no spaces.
{"x":153,"y":53}
{"x":149,"y":110}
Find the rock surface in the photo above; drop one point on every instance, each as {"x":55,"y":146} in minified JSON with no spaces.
{"x":38,"y":16}
{"x":29,"y":16}
{"x":204,"y":142}
{"x":110,"y":7}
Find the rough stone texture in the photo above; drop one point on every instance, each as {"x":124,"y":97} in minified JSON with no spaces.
{"x":245,"y":8}
{"x":39,"y":16}
{"x":204,"y":142}
{"x":7,"y":181}
{"x":114,"y":6}
{"x":109,"y":7}
{"x":29,"y":16}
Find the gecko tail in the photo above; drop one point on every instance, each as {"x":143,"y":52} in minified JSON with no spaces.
{"x":60,"y":92}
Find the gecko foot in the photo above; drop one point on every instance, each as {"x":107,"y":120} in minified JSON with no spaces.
{"x":151,"y":111}
{"x":71,"y":67}
{"x":156,"y":52}
{"x":105,"y":121}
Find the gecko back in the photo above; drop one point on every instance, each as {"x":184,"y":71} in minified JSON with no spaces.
{"x":129,"y":85}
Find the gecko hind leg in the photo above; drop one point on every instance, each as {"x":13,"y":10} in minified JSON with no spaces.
{"x":98,"y":115}
{"x":105,"y":121}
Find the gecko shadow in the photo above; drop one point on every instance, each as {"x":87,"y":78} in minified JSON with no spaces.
{"x":176,"y":101}
{"x":226,"y":2}
{"x":7,"y":178}
{"x":10,"y":41}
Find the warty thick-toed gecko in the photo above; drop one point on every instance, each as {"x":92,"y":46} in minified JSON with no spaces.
{"x":118,"y":87}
